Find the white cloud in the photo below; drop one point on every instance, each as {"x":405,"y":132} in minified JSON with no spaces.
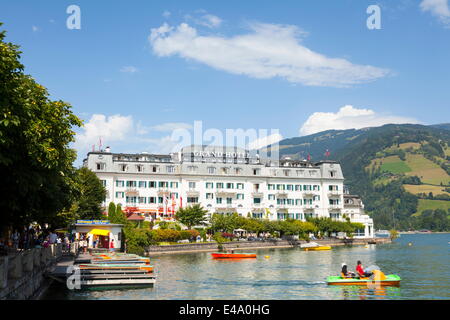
{"x":129,"y":69}
{"x":268,"y":51}
{"x":35,"y":29}
{"x":348,"y":117}
{"x":438,"y":8}
{"x":162,"y":145}
{"x":123,"y":134}
{"x":210,"y":21}
{"x":265,"y":141}
{"x":109,"y":129}
{"x":166,"y":14}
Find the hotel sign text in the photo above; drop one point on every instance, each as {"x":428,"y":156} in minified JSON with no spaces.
{"x":221,"y":154}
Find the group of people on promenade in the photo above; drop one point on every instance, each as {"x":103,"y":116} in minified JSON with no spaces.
{"x":32,"y":237}
{"x":345,"y":273}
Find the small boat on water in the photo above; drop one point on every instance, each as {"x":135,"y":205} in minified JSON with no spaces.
{"x":314,"y":246}
{"x":319,"y":248}
{"x":241,"y":255}
{"x":378,"y":278}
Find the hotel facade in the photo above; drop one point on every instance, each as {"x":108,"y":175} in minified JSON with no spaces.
{"x":225,"y":180}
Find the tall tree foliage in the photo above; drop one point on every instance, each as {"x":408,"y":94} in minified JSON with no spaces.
{"x":192,"y":215}
{"x":92,"y":194}
{"x":35,"y":159}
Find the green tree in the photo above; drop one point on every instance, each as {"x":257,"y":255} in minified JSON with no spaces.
{"x":36,"y":168}
{"x":192,"y":215}
{"x":120,"y":217}
{"x":111,"y":210}
{"x":393,"y":234}
{"x":92,"y":194}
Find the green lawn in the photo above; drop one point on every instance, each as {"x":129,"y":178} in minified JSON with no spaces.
{"x":426,"y":170}
{"x":395,"y":167}
{"x":425,"y":204}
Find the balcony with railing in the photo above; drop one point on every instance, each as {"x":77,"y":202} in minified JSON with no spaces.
{"x":192,"y":192}
{"x":257,"y":194}
{"x":335,"y":207}
{"x":334,"y":193}
{"x":282,"y":207}
{"x":281,"y":194}
{"x":163,"y":191}
{"x":222,"y":193}
{"x":309,"y":208}
{"x":132,"y":192}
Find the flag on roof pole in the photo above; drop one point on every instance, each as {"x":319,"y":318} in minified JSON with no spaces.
{"x":327,"y":153}
{"x":309,"y":157}
{"x":173,"y":204}
{"x":165,"y":205}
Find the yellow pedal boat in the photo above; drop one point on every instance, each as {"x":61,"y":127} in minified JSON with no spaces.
{"x":319,"y":248}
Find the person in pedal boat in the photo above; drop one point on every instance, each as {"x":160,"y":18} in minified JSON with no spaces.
{"x":345,"y":273}
{"x":360,"y":270}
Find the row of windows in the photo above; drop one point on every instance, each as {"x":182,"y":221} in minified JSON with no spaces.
{"x":292,"y":187}
{"x":219,"y":185}
{"x":145,"y":184}
{"x":100,"y":166}
{"x":144,"y":200}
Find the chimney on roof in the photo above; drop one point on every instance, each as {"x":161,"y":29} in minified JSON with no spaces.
{"x":108,"y":149}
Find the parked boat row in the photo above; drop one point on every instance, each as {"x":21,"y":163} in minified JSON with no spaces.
{"x":115,"y":270}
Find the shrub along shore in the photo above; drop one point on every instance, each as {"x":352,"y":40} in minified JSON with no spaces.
{"x":221,"y":228}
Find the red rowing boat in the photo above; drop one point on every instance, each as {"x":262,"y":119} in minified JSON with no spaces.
{"x":233,"y":255}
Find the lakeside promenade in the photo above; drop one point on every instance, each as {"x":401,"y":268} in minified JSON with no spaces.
{"x":244,"y":245}
{"x":24,"y":274}
{"x":27,"y":274}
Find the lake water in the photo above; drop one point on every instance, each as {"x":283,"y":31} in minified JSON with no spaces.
{"x":294,"y":274}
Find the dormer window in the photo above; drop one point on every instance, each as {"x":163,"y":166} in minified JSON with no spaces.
{"x":192,"y":169}
{"x":139,"y":168}
{"x":101,"y":165}
{"x":123,"y":167}
{"x":211,"y":170}
{"x":170,"y":169}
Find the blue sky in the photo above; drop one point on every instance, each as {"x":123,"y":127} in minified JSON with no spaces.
{"x":291,"y":66}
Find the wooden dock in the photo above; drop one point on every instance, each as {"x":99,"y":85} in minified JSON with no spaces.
{"x":111,"y":272}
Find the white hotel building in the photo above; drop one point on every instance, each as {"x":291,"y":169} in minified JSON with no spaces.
{"x":225,"y":180}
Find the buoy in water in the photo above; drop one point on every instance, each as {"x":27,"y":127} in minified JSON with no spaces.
{"x":267,"y":257}
{"x":410,"y":244}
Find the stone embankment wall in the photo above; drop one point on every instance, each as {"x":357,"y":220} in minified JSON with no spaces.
{"x":22,"y":274}
{"x":238,"y":245}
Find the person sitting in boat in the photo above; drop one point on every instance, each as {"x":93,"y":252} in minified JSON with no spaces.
{"x":345,"y":273}
{"x":360,"y":270}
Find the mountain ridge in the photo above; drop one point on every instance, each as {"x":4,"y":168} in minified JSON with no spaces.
{"x":401,"y":171}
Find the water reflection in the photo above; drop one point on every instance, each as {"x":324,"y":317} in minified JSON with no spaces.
{"x":370,"y":292}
